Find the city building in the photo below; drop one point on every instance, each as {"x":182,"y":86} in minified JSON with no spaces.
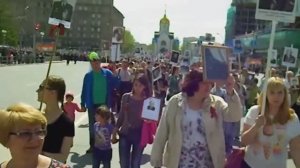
{"x":91,"y":25}
{"x":255,"y":34}
{"x":163,"y":39}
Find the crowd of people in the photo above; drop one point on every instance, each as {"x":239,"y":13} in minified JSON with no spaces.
{"x":197,"y":127}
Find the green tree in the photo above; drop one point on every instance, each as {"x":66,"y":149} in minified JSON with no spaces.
{"x":128,"y":43}
{"x":7,"y":24}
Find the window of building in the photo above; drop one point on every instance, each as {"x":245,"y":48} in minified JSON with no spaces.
{"x":85,"y":8}
{"x":99,"y":15}
{"x":83,"y":35}
{"x":98,"y":29}
{"x":80,"y":8}
{"x":78,"y":28}
{"x":163,"y":43}
{"x":92,"y":29}
{"x":84,"y":21}
{"x":93,"y":15}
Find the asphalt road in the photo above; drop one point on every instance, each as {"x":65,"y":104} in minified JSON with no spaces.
{"x":19,"y":84}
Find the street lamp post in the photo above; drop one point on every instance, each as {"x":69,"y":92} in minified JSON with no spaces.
{"x":4,"y":35}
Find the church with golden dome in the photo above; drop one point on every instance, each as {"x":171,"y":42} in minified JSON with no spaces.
{"x":163,"y":39}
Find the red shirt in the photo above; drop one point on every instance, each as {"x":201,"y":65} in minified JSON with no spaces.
{"x":70,"y":109}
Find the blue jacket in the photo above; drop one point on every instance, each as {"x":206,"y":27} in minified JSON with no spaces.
{"x":87,"y":88}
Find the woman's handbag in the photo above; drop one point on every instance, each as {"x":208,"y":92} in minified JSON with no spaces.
{"x":236,"y":158}
{"x":126,"y":126}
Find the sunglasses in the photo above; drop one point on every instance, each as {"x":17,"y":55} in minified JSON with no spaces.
{"x":27,"y":135}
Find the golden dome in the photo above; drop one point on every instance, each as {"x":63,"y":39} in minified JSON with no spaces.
{"x":164,"y":20}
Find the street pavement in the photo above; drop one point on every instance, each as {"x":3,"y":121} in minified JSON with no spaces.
{"x":19,"y":83}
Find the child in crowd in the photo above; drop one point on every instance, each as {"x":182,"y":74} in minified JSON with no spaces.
{"x":103,"y":129}
{"x":70,"y":107}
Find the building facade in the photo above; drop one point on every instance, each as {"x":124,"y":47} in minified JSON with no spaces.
{"x":91,"y":25}
{"x":163,"y":39}
{"x":255,"y":34}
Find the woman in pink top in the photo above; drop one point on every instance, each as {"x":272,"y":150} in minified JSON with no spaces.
{"x":70,"y":107}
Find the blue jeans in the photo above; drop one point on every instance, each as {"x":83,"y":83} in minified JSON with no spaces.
{"x":102,"y":156}
{"x":125,"y":145}
{"x":229,"y":134}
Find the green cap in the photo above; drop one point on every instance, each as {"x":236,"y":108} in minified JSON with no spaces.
{"x":93,"y":56}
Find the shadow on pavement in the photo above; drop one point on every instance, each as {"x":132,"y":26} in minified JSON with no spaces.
{"x":145,"y":159}
{"x":83,"y":125}
{"x":81,"y":161}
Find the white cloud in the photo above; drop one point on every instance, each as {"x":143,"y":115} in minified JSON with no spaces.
{"x":187,"y":17}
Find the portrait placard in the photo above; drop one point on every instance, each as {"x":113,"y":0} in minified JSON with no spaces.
{"x":118,"y":34}
{"x":156,"y":74}
{"x":215,"y":63}
{"x":62,"y":12}
{"x":151,"y":109}
{"x":290,"y":57}
{"x":274,"y":58}
{"x":276,"y":10}
{"x":295,"y":81}
{"x":175,"y":57}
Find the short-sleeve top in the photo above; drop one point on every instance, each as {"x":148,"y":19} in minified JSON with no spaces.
{"x":270,"y":151}
{"x":56,"y":131}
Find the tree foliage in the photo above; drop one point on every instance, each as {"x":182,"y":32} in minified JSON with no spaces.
{"x":7,"y":23}
{"x":128,"y":43}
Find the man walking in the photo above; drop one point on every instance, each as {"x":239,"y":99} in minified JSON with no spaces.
{"x":97,"y":88}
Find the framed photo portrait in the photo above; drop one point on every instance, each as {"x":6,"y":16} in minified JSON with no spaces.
{"x":274,"y":58}
{"x":118,"y":34}
{"x":175,"y":57}
{"x":277,"y":10}
{"x":295,"y":82}
{"x":156,"y":73}
{"x":215,"y":63}
{"x":290,"y":57}
{"x":151,"y":109}
{"x":62,"y":12}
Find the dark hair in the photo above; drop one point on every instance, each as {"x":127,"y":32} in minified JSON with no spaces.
{"x":191,"y":82}
{"x":58,"y":84}
{"x":143,"y":79}
{"x":255,"y":80}
{"x":69,"y":96}
{"x":174,"y":69}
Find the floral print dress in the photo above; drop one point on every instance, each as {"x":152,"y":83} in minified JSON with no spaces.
{"x":194,"y":151}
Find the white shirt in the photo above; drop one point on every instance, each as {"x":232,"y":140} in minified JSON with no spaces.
{"x":125,"y":75}
{"x":271,"y":151}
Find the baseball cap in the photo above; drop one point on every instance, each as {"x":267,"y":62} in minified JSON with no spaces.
{"x":93,"y":56}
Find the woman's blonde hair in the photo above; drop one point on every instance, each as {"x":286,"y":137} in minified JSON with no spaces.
{"x":18,"y":115}
{"x":285,"y":112}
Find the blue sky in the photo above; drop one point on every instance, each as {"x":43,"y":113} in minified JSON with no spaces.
{"x":187,"y":17}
